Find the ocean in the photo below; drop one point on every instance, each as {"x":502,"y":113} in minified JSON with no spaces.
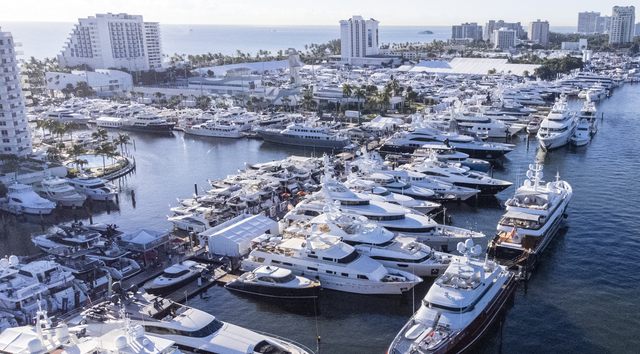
{"x":583,"y":297}
{"x":46,"y":39}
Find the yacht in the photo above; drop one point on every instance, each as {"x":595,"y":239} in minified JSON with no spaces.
{"x":448,"y":154}
{"x":66,"y":239}
{"x":460,"y":306}
{"x":305,"y":135}
{"x":588,"y":111}
{"x":64,"y":115}
{"x":115,"y":260}
{"x":196,"y":331}
{"x":113,"y":335}
{"x":534,"y":215}
{"x":337,"y":265}
{"x":582,"y":134}
{"x":61,"y":192}
{"x":174,"y":277}
{"x":534,"y":125}
{"x":374,"y":241}
{"x":21,"y":199}
{"x":94,"y":188}
{"x":459,"y":176}
{"x":398,"y":186}
{"x":275,"y":282}
{"x":214,"y":128}
{"x":19,"y":295}
{"x":444,"y":191}
{"x":373,"y":191}
{"x":486,"y":126}
{"x":147,"y":123}
{"x":558,"y":127}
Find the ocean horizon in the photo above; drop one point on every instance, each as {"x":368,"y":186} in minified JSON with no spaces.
{"x":46,"y":39}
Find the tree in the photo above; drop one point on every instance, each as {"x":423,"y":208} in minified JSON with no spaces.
{"x":84,"y":90}
{"x":100,"y":134}
{"x":80,"y":163}
{"x":67,"y":90}
{"x":76,"y":150}
{"x":11,"y":163}
{"x":203,"y":102}
{"x":307,"y":98}
{"x":360,"y":94}
{"x":122,"y":140}
{"x":106,"y":149}
{"x":53,"y":154}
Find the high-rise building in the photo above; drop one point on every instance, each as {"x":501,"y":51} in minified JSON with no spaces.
{"x":539,"y":32}
{"x":637,"y":29}
{"x":494,"y":25}
{"x":623,"y":22}
{"x":504,"y":38}
{"x":588,"y":22}
{"x":110,"y":40}
{"x":358,"y":38}
{"x":15,"y":138}
{"x":467,"y":31}
{"x":603,"y":24}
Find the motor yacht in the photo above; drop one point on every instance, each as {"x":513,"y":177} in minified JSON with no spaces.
{"x":337,"y":265}
{"x":19,"y":295}
{"x":275,"y":282}
{"x":59,"y":190}
{"x":372,"y":240}
{"x":373,"y":191}
{"x":582,"y":135}
{"x":21,"y":199}
{"x":94,"y":188}
{"x":444,"y":191}
{"x":305,"y":135}
{"x":558,"y":127}
{"x":534,"y":216}
{"x":174,"y":277}
{"x":459,"y":307}
{"x":214,"y":128}
{"x":66,"y":239}
{"x":148,"y":123}
{"x":458,"y":176}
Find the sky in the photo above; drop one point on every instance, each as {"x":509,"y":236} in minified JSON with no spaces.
{"x":309,"y":12}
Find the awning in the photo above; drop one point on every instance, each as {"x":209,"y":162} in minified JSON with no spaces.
{"x":522,"y":216}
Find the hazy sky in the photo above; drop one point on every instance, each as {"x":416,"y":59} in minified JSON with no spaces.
{"x":308,"y":12}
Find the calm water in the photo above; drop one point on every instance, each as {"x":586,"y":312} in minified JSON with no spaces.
{"x":583,"y":297}
{"x":45,"y":39}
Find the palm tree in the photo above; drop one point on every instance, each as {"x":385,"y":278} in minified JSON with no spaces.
{"x":360,"y":94}
{"x":80,"y":163}
{"x":347,"y":91}
{"x":122,"y":140}
{"x":76,"y":150}
{"x":106,"y":149}
{"x":53,"y":154}
{"x":101,"y":135}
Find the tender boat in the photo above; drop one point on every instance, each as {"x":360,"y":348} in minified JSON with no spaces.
{"x":21,"y":199}
{"x":275,"y":282}
{"x":459,"y":307}
{"x":174,"y":277}
{"x":582,"y":135}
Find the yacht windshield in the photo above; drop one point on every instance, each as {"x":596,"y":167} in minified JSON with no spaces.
{"x":349,"y":258}
{"x":211,"y":328}
{"x":265,"y":347}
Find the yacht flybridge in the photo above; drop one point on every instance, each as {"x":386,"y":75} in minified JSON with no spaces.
{"x":459,"y":307}
{"x":558,"y":127}
{"x":534,"y":215}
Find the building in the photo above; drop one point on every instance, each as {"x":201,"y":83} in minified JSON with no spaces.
{"x":504,"y":38}
{"x":588,"y":22}
{"x":107,"y":41}
{"x":106,"y":83}
{"x":603,"y":24}
{"x":359,"y":38}
{"x":638,"y":29}
{"x":466,"y":31}
{"x":15,"y":137}
{"x":623,"y":22}
{"x":580,"y":45}
{"x":494,"y":25}
{"x":539,"y":32}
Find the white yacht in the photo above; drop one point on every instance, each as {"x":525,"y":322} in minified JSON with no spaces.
{"x":458,"y":176}
{"x":582,"y":135}
{"x":94,"y":188}
{"x":21,"y":199}
{"x":534,"y":215}
{"x":374,"y":241}
{"x":485,"y":126}
{"x":459,"y":307}
{"x":64,"y":115}
{"x":19,"y":294}
{"x":337,"y":265}
{"x":60,"y":191}
{"x":196,"y":331}
{"x":398,"y":186}
{"x":445,"y":191}
{"x":174,"y":277}
{"x":558,"y":127}
{"x":214,"y":128}
{"x":374,"y":191}
{"x":64,"y":239}
{"x":305,"y":135}
{"x":148,"y":123}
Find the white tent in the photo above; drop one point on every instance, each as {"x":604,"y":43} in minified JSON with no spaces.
{"x":233,"y":238}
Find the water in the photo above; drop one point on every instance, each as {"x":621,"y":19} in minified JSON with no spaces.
{"x":45,"y":39}
{"x":582,"y":298}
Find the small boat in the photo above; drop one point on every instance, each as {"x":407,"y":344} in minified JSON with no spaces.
{"x":21,"y":199}
{"x":275,"y":282}
{"x":582,"y":135}
{"x":533,"y":126}
{"x":174,"y":277}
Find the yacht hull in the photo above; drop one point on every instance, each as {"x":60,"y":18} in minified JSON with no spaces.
{"x":157,"y":129}
{"x":311,"y":292}
{"x":164,"y":290}
{"x":276,"y":137}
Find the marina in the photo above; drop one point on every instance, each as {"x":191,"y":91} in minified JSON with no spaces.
{"x":360,"y":197}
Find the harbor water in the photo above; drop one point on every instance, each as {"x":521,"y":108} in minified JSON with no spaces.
{"x":582,"y":298}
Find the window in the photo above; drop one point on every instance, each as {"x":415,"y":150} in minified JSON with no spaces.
{"x":313,"y":269}
{"x":360,"y":276}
